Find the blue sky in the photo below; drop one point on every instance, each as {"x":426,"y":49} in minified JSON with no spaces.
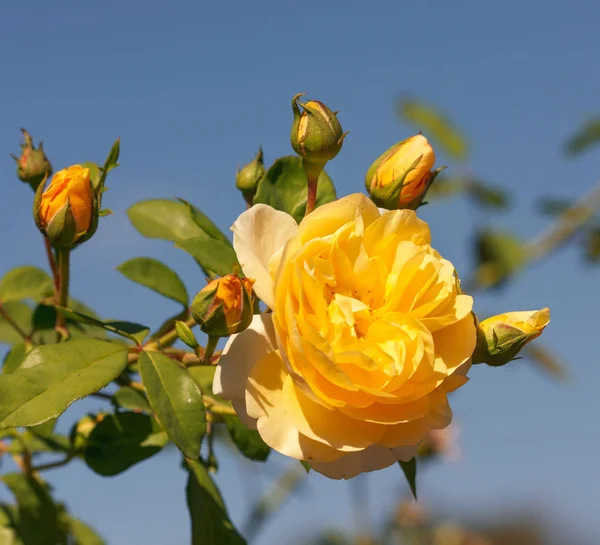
{"x":193,"y":88}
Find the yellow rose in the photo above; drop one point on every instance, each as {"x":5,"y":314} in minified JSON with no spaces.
{"x":224,"y":306}
{"x":394,"y":180}
{"x":369,"y":333}
{"x":501,"y":338}
{"x":70,"y":185}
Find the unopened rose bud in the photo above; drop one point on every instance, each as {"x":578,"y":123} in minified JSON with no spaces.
{"x":186,"y":334}
{"x":224,"y":306}
{"x":66,"y":212}
{"x":317,"y":135}
{"x":248,"y":177}
{"x":401,"y":176}
{"x":33,"y":165}
{"x":501,"y":338}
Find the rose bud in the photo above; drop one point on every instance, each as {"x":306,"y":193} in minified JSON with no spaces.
{"x":33,"y":165}
{"x":248,"y":177}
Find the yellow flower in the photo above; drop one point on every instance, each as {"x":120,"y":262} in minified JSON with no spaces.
{"x":394,"y":180}
{"x":502,"y":337}
{"x":224,"y":306}
{"x":369,"y":333}
{"x":70,"y":185}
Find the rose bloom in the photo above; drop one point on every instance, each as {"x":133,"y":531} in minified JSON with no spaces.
{"x":368,"y":333}
{"x":69,"y":185}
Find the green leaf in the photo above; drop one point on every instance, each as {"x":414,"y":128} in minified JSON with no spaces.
{"x":499,"y":255}
{"x":305,"y":465}
{"x":21,"y":314}
{"x":136,"y":332}
{"x":487,"y":196}
{"x":248,"y":441}
{"x":157,"y":276}
{"x":122,"y":440}
{"x":210,"y":522}
{"x":38,"y":443}
{"x":585,"y":138}
{"x":37,"y":514}
{"x":434,"y":125}
{"x":25,"y":282}
{"x":163,"y":219}
{"x":445,"y":186}
{"x":284,"y":187}
{"x":14,"y":358}
{"x":592,"y":245}
{"x":176,"y":400}
{"x":82,"y":533}
{"x":214,"y":256}
{"x":410,"y":472}
{"x":203,"y":376}
{"x":132,"y":399}
{"x":54,"y":376}
{"x":205,"y":223}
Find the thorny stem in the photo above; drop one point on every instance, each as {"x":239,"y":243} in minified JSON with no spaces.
{"x":64,"y":255}
{"x":52,"y":263}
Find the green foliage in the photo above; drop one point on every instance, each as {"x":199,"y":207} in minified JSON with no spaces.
{"x":122,"y":440}
{"x":37,"y":518}
{"x":284,"y":187}
{"x":25,"y":283}
{"x":488,"y":196}
{"x":18,"y":313}
{"x":499,"y":255}
{"x":435,"y":125}
{"x":82,"y":533}
{"x":410,"y":472}
{"x":210,"y":523}
{"x":214,"y":256}
{"x":54,"y":376}
{"x":176,"y":401}
{"x":131,"y":399}
{"x":156,"y":276}
{"x":248,"y":441}
{"x":584,"y":138}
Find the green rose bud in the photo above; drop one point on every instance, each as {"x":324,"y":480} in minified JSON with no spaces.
{"x":501,"y":338}
{"x":186,"y":334}
{"x":248,"y":177}
{"x":224,"y":306}
{"x":317,"y":135}
{"x":33,"y":165}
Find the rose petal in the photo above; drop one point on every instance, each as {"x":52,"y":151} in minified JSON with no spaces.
{"x":258,"y":234}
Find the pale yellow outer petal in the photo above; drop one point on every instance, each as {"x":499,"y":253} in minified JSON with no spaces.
{"x":258,"y":234}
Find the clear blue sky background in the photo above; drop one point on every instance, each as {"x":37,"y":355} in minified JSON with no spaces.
{"x":192,"y":88}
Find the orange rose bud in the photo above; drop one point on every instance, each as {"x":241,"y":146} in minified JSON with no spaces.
{"x":65,"y":211}
{"x":401,"y":176}
{"x":224,"y":306}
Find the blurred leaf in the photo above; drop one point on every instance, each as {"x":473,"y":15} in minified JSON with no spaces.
{"x":410,"y":472}
{"x":435,"y":125}
{"x":592,"y":245}
{"x":284,"y":187}
{"x":132,"y":399}
{"x":26,"y":282}
{"x":205,"y":223}
{"x":37,"y":443}
{"x":210,"y":522}
{"x":445,"y":186}
{"x":586,"y":137}
{"x":214,"y":256}
{"x":122,"y":440}
{"x":249,"y":442}
{"x":169,"y":324}
{"x":164,"y":219}
{"x":21,"y":314}
{"x":488,"y":196}
{"x":176,"y":400}
{"x":82,"y":533}
{"x":498,"y":254}
{"x":157,"y":276}
{"x":37,"y":515}
{"x":129,"y":330}
{"x":14,"y":358}
{"x":54,"y":376}
{"x":203,"y":376}
{"x":544,"y":358}
{"x":553,"y":207}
